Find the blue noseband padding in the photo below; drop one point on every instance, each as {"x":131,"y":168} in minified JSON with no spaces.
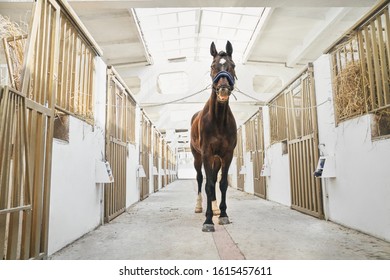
{"x":226,"y":75}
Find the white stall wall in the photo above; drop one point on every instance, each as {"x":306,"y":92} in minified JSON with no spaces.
{"x":249,"y":186}
{"x":132,"y":189}
{"x":359,"y":195}
{"x":75,"y":204}
{"x":278,"y":183}
{"x":232,"y":177}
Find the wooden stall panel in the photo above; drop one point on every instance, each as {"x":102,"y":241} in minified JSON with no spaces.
{"x":260,"y":186}
{"x":120,"y":131}
{"x":306,"y":192}
{"x":240,"y":161}
{"x":278,"y":118}
{"x":156,"y":148}
{"x":15,"y":177}
{"x":144,"y":158}
{"x":26,"y":215}
{"x":115,"y":193}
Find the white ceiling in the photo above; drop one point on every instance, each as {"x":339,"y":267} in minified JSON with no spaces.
{"x":151,"y":41}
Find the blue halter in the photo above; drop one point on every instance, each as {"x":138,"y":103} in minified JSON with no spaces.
{"x":225,"y":74}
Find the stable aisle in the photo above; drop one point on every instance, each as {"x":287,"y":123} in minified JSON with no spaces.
{"x":164,"y":226}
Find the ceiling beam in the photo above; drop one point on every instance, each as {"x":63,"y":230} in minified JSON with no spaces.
{"x":256,"y":35}
{"x":316,"y":35}
{"x":120,"y":4}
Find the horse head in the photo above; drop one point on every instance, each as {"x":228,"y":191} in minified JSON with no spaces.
{"x":222,"y":72}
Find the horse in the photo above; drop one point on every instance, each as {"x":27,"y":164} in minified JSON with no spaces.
{"x":214,"y":136}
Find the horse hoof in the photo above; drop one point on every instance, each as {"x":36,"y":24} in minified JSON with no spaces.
{"x":198,"y":210}
{"x":208,"y":228}
{"x":216,"y":212}
{"x":223,"y":220}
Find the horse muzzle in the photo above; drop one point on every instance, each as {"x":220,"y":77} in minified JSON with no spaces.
{"x":223,"y":94}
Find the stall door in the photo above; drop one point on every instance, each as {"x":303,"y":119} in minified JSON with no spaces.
{"x":306,"y":193}
{"x":120,"y":130}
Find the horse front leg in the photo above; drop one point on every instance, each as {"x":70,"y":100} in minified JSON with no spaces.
{"x":211,"y":177}
{"x":223,"y":185}
{"x":216,"y":168}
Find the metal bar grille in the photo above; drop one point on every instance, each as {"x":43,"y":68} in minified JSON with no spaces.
{"x":361,"y":69}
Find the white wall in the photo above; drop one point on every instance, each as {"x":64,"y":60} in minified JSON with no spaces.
{"x":132,"y":188}
{"x":249,"y":186}
{"x":359,"y":195}
{"x":75,"y":203}
{"x":232,"y":177}
{"x":278,"y":183}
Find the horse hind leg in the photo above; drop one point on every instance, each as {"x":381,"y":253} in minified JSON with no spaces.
{"x":199,"y":179}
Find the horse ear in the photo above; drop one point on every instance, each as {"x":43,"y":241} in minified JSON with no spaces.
{"x":229,"y":48}
{"x":213,"y":50}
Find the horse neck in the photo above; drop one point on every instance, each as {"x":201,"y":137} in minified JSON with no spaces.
{"x":218,"y":110}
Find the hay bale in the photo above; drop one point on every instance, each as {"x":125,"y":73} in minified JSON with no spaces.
{"x":349,"y":98}
{"x":16,"y":42}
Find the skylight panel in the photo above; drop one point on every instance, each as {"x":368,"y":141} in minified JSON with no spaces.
{"x":187,"y":31}
{"x":227,"y":32}
{"x":167,"y":20}
{"x":171,"y":45}
{"x":230,"y":20}
{"x":208,"y":31}
{"x":167,"y":86}
{"x":211,"y":18}
{"x":169,"y":34}
{"x":248,"y":22}
{"x":184,"y":33}
{"x":187,"y":43}
{"x":187,"y":18}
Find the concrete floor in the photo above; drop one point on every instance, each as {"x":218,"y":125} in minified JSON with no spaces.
{"x":165,"y":227}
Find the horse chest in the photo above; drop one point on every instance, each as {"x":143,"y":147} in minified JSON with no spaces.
{"x":218,"y":144}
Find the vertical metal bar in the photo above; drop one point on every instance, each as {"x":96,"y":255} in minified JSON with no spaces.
{"x":9,"y":63}
{"x":38,"y":185}
{"x":5,"y":109}
{"x":387,"y":32}
{"x":312,"y":178}
{"x":41,"y":70}
{"x":370,"y":68}
{"x":379,"y":91}
{"x":27,"y":215}
{"x":60,"y":100}
{"x":382,"y":61}
{"x":292,"y":173}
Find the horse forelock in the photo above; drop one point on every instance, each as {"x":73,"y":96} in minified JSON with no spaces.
{"x":222,"y":53}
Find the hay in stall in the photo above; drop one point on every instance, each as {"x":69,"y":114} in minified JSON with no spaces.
{"x":14,"y":38}
{"x":350,"y":99}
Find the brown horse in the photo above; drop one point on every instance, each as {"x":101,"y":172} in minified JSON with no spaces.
{"x":214,"y":135}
